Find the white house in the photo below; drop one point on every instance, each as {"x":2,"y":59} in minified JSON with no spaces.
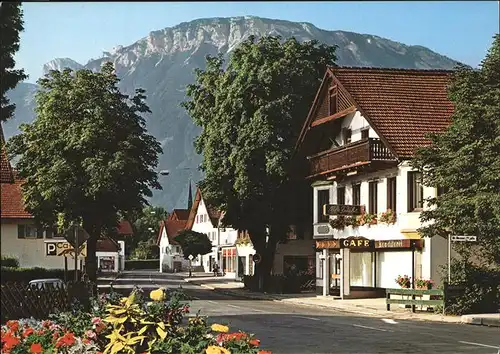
{"x":361,"y":131}
{"x":171,"y":256}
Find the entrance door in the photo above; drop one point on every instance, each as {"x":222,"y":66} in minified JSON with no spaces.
{"x":241,"y":266}
{"x":335,"y":264}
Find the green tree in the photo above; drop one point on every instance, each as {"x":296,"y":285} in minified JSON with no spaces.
{"x":464,"y":160}
{"x":11,"y":24}
{"x":251,"y":114}
{"x":87,"y":157}
{"x":193,"y":243}
{"x":147,"y":226}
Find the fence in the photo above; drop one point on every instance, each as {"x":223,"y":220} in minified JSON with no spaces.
{"x":19,"y":300}
{"x":446,"y":294}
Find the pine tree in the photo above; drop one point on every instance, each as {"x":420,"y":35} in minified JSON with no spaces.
{"x":11,"y":24}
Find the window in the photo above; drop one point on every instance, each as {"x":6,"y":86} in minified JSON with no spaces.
{"x":372,"y":195}
{"x":364,"y":133}
{"x":415,"y":191}
{"x":391,"y":193}
{"x":356,"y":194}
{"x":341,"y":195}
{"x":29,"y":231}
{"x":323,"y":198}
{"x":347,"y":135}
{"x":442,"y":190}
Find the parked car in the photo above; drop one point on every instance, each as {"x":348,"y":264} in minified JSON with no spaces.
{"x":46,"y":283}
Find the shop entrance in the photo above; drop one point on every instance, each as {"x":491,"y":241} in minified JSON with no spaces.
{"x":335,"y":266}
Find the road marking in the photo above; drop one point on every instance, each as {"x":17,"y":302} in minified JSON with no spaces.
{"x":388,"y":320}
{"x":479,"y":344}
{"x":376,"y":329}
{"x":234,"y":306}
{"x":308,"y":318}
{"x":212,"y":302}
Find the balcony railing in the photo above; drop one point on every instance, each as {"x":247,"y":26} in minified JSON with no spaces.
{"x":350,"y":155}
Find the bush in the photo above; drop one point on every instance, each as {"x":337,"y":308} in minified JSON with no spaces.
{"x":28,"y":274}
{"x":10,"y":261}
{"x":142,"y":264}
{"x":481,"y":289}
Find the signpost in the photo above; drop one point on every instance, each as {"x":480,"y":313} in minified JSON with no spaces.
{"x":456,"y":238}
{"x":63,"y":248}
{"x":76,"y":235}
{"x":342,"y":209}
{"x":190,"y":267}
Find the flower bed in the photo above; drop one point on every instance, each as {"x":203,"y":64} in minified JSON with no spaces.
{"x":127,"y":325}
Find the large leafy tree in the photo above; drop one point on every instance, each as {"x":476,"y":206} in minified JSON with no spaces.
{"x":465,"y":161}
{"x":193,"y":243}
{"x":147,"y":226}
{"x":87,"y":157}
{"x":251,"y":113}
{"x":11,"y":24}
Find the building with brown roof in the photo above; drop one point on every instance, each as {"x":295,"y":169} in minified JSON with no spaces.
{"x":171,"y":256}
{"x":355,"y":145}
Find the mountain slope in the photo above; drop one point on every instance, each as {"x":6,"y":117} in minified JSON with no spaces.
{"x":163,"y":63}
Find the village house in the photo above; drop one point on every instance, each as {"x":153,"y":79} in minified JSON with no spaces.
{"x":356,"y":143}
{"x":171,"y":255}
{"x":22,"y":239}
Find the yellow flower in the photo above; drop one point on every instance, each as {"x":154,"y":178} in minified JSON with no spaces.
{"x":219,"y":328}
{"x":216,"y":350}
{"x":157,"y":295}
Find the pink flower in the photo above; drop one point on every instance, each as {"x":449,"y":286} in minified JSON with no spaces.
{"x":90,"y":334}
{"x":96,"y":320}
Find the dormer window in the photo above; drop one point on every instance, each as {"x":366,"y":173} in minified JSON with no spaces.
{"x":365,"y":133}
{"x":346,"y":135}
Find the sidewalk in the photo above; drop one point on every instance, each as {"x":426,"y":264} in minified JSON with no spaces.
{"x":370,"y":307}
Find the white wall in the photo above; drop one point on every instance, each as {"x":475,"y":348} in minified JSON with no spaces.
{"x":100,"y":255}
{"x":29,"y":252}
{"x":170,"y":254}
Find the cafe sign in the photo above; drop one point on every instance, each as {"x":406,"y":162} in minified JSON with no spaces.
{"x":345,"y":243}
{"x":342,"y":209}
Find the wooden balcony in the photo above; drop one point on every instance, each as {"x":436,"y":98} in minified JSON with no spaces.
{"x":346,"y":157}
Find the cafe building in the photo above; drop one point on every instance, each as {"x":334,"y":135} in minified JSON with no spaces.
{"x":355,"y":147}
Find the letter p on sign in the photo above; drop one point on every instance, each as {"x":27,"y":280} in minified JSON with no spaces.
{"x":50,"y":249}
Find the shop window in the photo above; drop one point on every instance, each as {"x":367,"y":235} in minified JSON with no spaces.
{"x":365,"y":133}
{"x":356,"y":194}
{"x":341,"y":195}
{"x":323,"y":198}
{"x":391,"y":193}
{"x":415,"y":191}
{"x":372,"y":195}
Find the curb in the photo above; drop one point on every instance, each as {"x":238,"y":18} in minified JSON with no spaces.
{"x":479,"y":320}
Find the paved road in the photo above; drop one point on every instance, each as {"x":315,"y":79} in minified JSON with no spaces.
{"x":286,"y":328}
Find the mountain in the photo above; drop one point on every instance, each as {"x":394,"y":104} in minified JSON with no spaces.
{"x":60,"y":64}
{"x":163,"y":63}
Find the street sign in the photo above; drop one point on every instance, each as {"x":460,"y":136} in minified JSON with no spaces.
{"x":63,"y":248}
{"x":342,"y":209}
{"x":76,"y":240}
{"x":190,"y":257}
{"x":464,"y":238}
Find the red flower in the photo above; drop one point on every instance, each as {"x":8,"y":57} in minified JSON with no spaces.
{"x":13,"y":325}
{"x":36,"y":348}
{"x":67,"y":340}
{"x":10,"y":341}
{"x":255,"y":342}
{"x":28,"y":331}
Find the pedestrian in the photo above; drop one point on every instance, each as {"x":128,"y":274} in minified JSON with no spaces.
{"x":216,"y":269}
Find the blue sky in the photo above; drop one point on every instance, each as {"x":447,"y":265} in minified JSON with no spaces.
{"x":83,"y":30}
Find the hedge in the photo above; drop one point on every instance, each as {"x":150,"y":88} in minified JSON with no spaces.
{"x":28,"y":274}
{"x":10,"y":261}
{"x":142,"y":264}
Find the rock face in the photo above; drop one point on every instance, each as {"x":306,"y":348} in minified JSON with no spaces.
{"x":163,"y":63}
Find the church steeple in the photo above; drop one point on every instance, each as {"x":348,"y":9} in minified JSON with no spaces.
{"x":190,"y":196}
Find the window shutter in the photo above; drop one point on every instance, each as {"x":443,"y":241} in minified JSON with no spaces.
{"x":21,"y":231}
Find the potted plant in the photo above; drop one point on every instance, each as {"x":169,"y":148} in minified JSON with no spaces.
{"x":423,"y":284}
{"x":388,"y":217}
{"x":339,"y":223}
{"x":403,"y":281}
{"x":367,"y":219}
{"x":353,"y":221}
